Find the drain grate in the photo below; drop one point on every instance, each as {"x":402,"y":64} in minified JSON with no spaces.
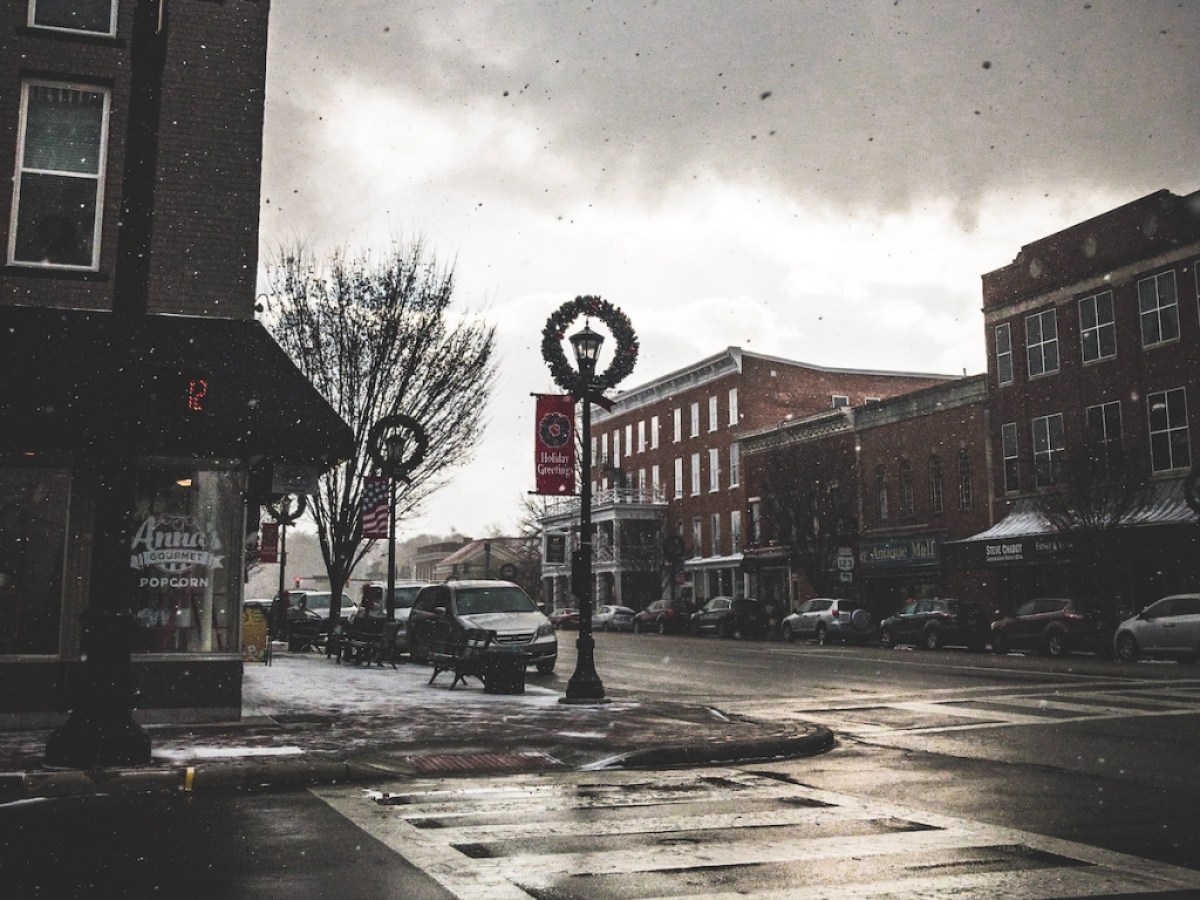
{"x":482,"y":762}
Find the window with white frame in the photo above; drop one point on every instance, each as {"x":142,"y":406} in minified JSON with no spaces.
{"x":593,"y":447}
{"x":642,"y":482}
{"x":714,"y":470}
{"x":654,"y":432}
{"x":1097,"y":327}
{"x":678,"y":476}
{"x":966,"y":499}
{"x":1104,"y":432}
{"x":629,"y":440}
{"x":1041,"y":342}
{"x":91,"y":16}
{"x":641,"y":436}
{"x":1159,"y":309}
{"x":1012,"y":467}
{"x":1004,"y":355}
{"x":840,"y":400}
{"x":1049,"y":449}
{"x":697,"y":537}
{"x":1170,"y":445}
{"x":695,"y":419}
{"x":735,"y":465}
{"x":678,"y":424}
{"x":755,"y":534}
{"x":616,"y":448}
{"x":712,"y":413}
{"x":655,"y":479}
{"x":735,"y":531}
{"x":937,"y":502}
{"x":59,"y":184}
{"x":733,"y":407}
{"x":714,"y":526}
{"x":695,"y":474}
{"x":907,"y":492}
{"x":604,"y":447}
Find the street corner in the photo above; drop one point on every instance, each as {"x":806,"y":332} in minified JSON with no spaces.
{"x":769,"y":744}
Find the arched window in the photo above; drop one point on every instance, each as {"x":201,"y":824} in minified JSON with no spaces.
{"x":964,"y":480}
{"x":881,"y":492}
{"x":906,"y":488}
{"x":936,"y":501}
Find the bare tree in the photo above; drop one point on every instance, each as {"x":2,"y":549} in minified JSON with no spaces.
{"x":378,"y":338}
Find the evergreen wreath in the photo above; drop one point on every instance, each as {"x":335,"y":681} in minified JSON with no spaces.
{"x":624,"y":358}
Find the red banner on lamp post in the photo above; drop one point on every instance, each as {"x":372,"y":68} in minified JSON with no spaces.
{"x":554,"y":444}
{"x":268,"y":543}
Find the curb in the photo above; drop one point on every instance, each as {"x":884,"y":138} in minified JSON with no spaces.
{"x":817,"y":739}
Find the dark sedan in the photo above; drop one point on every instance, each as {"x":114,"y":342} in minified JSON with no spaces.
{"x":663,"y":617}
{"x":936,"y":622}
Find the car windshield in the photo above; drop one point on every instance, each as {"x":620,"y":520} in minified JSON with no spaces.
{"x":474,"y":601}
{"x":403,"y":597}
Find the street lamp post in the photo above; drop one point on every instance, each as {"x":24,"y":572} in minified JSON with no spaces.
{"x":397,"y":444}
{"x":585,"y":685}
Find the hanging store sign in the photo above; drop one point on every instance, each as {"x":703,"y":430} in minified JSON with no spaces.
{"x":900,"y":552}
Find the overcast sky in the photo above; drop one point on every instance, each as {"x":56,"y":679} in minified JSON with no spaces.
{"x":825,"y":182}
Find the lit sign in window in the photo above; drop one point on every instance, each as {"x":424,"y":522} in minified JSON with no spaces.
{"x":197,"y":391}
{"x":178,"y":392}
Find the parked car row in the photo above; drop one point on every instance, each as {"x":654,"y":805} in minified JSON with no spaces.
{"x":1168,"y":628}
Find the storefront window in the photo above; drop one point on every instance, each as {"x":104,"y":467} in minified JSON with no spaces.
{"x":185,"y":553}
{"x":33,"y":531}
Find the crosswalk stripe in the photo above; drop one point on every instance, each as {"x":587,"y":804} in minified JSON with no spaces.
{"x":764,"y":837}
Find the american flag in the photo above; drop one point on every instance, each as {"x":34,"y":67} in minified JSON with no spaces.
{"x":375,"y":508}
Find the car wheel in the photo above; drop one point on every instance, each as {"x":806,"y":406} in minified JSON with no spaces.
{"x":933,"y":639}
{"x":999,"y":643}
{"x":787,"y":632}
{"x":822,"y":635}
{"x":1127,"y":648}
{"x":604,"y":627}
{"x":727,"y":630}
{"x":545,"y":666}
{"x":694,"y":628}
{"x":1056,"y":644}
{"x":887,"y":639}
{"x":661,"y":627}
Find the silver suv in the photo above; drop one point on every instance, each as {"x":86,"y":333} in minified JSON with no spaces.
{"x":828,"y":619}
{"x":1168,"y":628}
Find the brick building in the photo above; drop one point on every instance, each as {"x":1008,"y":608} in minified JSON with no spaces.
{"x":666,"y":462}
{"x":1093,"y":342}
{"x":127,"y":296}
{"x":861,"y":501}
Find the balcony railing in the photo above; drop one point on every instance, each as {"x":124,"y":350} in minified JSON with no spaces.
{"x":609,"y":497}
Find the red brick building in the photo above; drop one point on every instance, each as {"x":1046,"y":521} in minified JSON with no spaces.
{"x":1093,"y":342}
{"x":211,"y":405}
{"x":666,"y":460}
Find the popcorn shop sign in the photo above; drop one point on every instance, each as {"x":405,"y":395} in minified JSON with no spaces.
{"x":175,"y":552}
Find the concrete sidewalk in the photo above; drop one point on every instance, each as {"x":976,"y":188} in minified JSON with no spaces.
{"x":308,"y":720}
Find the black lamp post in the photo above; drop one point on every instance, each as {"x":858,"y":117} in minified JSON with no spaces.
{"x":393,"y":451}
{"x":585,"y":685}
{"x":397,"y":444}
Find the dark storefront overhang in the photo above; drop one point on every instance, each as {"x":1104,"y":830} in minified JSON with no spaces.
{"x":1025,"y":536}
{"x":208,"y":388}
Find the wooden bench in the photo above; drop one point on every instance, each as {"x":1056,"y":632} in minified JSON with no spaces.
{"x":372,"y":642}
{"x":475,"y":655}
{"x":305,"y":636}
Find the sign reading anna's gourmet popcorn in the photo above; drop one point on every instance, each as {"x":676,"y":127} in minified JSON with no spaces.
{"x":178,"y":548}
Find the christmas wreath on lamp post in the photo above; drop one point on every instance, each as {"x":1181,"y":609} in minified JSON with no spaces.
{"x":624,"y":357}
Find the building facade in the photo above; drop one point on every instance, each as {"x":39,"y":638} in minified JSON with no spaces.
{"x":667,"y":464}
{"x":1093,"y":337}
{"x":119,"y":168}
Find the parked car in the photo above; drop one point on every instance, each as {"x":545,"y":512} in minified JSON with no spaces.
{"x":935,"y":623}
{"x":827,"y":619}
{"x":613,"y":618}
{"x":316,"y":604}
{"x":404,"y":594}
{"x":729,"y":616}
{"x":1055,"y":626}
{"x":1169,"y":627}
{"x":567,"y":617}
{"x":443,"y":612}
{"x":663,"y":616}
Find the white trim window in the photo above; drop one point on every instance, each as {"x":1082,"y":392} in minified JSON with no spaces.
{"x":678,"y":415}
{"x":654,"y":432}
{"x":1004,"y":355}
{"x":604,"y":447}
{"x":907,"y":491}
{"x":678,"y":477}
{"x":1097,"y":327}
{"x":697,"y":537}
{"x":1041,"y":342}
{"x":629,"y":440}
{"x":695,"y":419}
{"x":735,"y":465}
{"x":1170,"y":446}
{"x":641,"y":436}
{"x":1104,"y":432}
{"x":695,"y":474}
{"x":966,"y":499}
{"x":714,"y":470}
{"x":655,"y":479}
{"x":936,"y":488}
{"x":715,"y":534}
{"x":61,"y":151}
{"x":642,"y":482}
{"x":89,"y":16}
{"x":617,"y":447}
{"x":733,"y":407}
{"x":1158,"y":306}
{"x":712,"y":413}
{"x":1049,"y":450}
{"x":1012,"y":464}
{"x":840,"y":401}
{"x":735,"y":531}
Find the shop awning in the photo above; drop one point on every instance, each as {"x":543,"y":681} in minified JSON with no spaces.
{"x":207,"y":388}
{"x":714,"y":562}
